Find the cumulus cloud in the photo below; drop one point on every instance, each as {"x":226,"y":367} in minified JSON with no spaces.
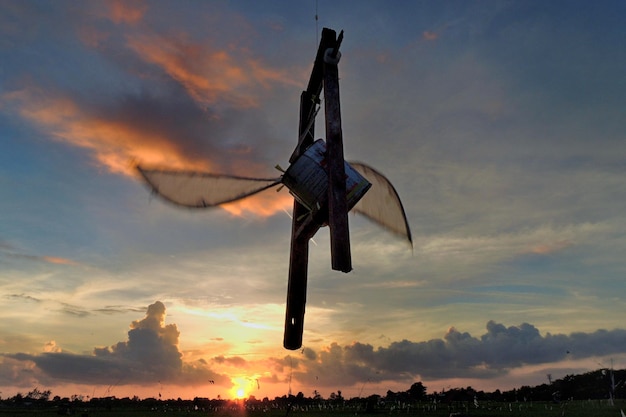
{"x":149,"y":355}
{"x":456,"y":355}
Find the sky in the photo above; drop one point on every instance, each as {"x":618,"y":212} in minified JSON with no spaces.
{"x":500,"y":124}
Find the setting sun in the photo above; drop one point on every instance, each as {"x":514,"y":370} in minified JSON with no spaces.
{"x":241,"y":387}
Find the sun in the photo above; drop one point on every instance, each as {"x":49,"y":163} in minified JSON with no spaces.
{"x":241,"y":388}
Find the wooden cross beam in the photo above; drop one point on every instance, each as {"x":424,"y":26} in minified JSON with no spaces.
{"x":306,"y":223}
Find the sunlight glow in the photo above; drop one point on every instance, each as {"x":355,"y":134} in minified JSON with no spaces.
{"x":242,"y":387}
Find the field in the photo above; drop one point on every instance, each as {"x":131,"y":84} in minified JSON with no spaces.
{"x":591,"y":408}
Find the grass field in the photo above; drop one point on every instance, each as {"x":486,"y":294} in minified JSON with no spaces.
{"x":592,"y":408}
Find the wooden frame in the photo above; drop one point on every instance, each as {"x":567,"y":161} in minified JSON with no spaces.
{"x":305,"y":224}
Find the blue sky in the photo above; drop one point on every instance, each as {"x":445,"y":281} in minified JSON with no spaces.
{"x":501,"y":126}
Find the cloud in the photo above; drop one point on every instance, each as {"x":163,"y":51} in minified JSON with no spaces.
{"x":23,"y":297}
{"x":234,"y":360}
{"x":157,"y":131}
{"x":51,"y":346}
{"x":457,"y":355}
{"x":209,"y":75}
{"x":550,"y":247}
{"x":429,"y":36}
{"x":168,"y":101}
{"x":129,"y":12}
{"x":149,"y":355}
{"x":11,"y":252}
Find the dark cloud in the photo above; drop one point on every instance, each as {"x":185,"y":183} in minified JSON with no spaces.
{"x":456,"y":355}
{"x":74,"y":310}
{"x":237,"y":361}
{"x":113,"y":309}
{"x":22,"y":297}
{"x":150,"y":354}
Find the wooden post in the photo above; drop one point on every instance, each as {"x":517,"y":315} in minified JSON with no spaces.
{"x":337,"y":205}
{"x":303,"y":226}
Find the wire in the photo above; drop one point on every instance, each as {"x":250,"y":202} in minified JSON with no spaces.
{"x":316,"y":28}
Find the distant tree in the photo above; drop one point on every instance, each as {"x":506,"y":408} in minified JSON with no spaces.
{"x":372,"y":402}
{"x":417,"y":391}
{"x":391,"y":396}
{"x":77,"y":397}
{"x":39,"y":396}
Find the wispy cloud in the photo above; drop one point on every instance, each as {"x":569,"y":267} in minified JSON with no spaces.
{"x":210,"y":76}
{"x":128,"y":12}
{"x":187,"y":115}
{"x":11,"y":252}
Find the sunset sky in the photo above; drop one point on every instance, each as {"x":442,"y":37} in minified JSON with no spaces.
{"x":501,"y":125}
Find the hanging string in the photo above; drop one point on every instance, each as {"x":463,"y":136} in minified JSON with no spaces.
{"x":316,"y":28}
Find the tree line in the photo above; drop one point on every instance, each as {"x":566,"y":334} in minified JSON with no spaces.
{"x":602,"y":384}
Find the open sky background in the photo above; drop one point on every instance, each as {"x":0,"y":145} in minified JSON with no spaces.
{"x":501,"y":124}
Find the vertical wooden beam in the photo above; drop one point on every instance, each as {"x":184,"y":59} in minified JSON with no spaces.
{"x":297,"y":283}
{"x":337,"y":204}
{"x":299,"y":256}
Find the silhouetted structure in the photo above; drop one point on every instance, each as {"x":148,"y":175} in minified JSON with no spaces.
{"x":325,"y":187}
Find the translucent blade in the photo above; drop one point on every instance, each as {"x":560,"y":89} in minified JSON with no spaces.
{"x":382,"y":203}
{"x":196,"y":189}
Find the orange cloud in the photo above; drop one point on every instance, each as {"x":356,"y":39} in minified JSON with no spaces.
{"x":114,"y":145}
{"x":118,"y":141}
{"x":127,"y":11}
{"x":59,"y":261}
{"x":548,"y":248}
{"x":117,"y":146}
{"x":209,"y":75}
{"x":52,"y":346}
{"x":265,"y":203}
{"x":7,"y":250}
{"x":429,"y":36}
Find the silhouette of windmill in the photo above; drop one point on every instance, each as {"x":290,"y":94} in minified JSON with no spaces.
{"x":324,"y":186}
